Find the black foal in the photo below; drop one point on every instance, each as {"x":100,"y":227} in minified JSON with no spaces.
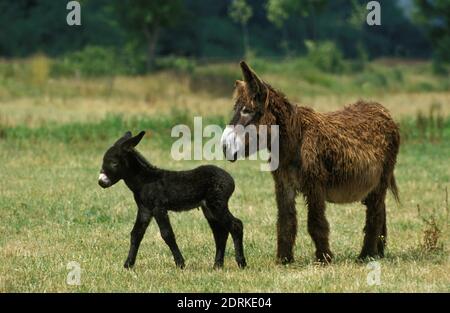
{"x":157,"y":191}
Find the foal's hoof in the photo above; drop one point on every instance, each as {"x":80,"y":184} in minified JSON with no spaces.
{"x":324,"y":257}
{"x":363,"y":258}
{"x":180,"y":265}
{"x":128,"y":264}
{"x":242,"y":264}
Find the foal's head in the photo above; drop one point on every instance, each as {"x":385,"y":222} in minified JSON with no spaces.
{"x":116,"y":161}
{"x":251,"y":109}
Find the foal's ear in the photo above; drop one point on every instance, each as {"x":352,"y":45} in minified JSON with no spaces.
{"x":255,"y":85}
{"x":133,"y":141}
{"x":126,"y":136}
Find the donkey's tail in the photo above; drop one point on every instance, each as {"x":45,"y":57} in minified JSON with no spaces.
{"x":394,"y":189}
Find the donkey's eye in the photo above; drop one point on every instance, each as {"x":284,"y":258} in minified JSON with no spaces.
{"x":246,"y":111}
{"x":114,"y":164}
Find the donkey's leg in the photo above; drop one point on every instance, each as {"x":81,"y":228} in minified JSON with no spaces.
{"x":381,"y":244}
{"x":143,"y":218}
{"x":318,"y":226}
{"x":168,"y":236}
{"x":287,"y":221}
{"x":220,"y":236}
{"x":375,"y":229}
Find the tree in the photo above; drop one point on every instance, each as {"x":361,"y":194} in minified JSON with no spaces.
{"x":146,"y":19}
{"x":435,"y":17}
{"x":241,"y":12}
{"x":357,"y":21}
{"x":278,"y":11}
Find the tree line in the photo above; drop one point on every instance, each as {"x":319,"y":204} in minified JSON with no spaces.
{"x":226,"y":29}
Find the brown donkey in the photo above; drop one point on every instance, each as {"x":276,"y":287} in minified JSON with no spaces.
{"x":339,"y":157}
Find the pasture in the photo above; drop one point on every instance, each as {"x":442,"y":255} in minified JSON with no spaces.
{"x":53,"y":134}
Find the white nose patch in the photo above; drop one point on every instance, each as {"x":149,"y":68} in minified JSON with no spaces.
{"x":232,"y":142}
{"x":102,"y":177}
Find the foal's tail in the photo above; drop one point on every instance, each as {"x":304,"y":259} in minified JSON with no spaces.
{"x":394,"y":189}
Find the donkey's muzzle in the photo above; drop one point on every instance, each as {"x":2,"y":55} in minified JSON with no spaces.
{"x":231,"y":143}
{"x":229,"y":156}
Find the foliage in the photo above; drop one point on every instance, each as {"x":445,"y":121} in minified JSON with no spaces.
{"x":92,"y":61}
{"x":325,"y":56}
{"x":241,"y":12}
{"x":145,"y":19}
{"x":199,"y":29}
{"x":435,"y":18}
{"x":178,"y":64}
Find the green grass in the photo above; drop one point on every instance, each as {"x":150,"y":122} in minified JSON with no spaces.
{"x":53,"y":212}
{"x":54,"y":131}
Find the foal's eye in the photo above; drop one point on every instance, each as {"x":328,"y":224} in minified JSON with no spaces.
{"x":114,"y":164}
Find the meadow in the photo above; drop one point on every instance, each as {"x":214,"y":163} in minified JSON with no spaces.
{"x":54,"y":131}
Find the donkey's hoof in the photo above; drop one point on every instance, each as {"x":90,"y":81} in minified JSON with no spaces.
{"x":285,"y":260}
{"x":324,"y":257}
{"x":366,"y":257}
{"x":180,"y":264}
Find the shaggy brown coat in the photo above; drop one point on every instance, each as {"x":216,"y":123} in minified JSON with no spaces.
{"x":339,"y":157}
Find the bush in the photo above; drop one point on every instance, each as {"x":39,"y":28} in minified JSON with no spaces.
{"x":216,"y":80}
{"x":325,"y":56}
{"x":371,"y":79}
{"x":178,"y":64}
{"x":92,"y":61}
{"x":438,"y":67}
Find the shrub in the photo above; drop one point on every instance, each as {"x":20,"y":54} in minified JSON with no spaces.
{"x":92,"y":61}
{"x":216,"y":80}
{"x":371,"y":79}
{"x":178,"y":64}
{"x":325,"y":56}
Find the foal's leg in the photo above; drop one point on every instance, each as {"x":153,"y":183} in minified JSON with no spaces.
{"x":287,"y":221}
{"x":220,"y":237}
{"x":219,"y":209}
{"x":237,"y":233}
{"x":318,"y":226}
{"x":375,"y":229}
{"x":143,"y":218}
{"x":168,"y":236}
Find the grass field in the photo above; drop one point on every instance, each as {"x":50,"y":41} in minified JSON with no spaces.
{"x":53,"y":212}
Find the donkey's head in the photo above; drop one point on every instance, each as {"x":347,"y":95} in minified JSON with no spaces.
{"x":252,"y":97}
{"x":116,"y":161}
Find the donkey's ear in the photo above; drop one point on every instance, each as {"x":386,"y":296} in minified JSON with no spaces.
{"x":254,"y":84}
{"x":126,"y":136}
{"x":133,"y":141}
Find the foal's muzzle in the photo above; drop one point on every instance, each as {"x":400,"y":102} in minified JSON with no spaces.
{"x":104,"y":180}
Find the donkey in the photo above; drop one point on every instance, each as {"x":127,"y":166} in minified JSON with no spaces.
{"x":157,"y":191}
{"x":338,"y":157}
